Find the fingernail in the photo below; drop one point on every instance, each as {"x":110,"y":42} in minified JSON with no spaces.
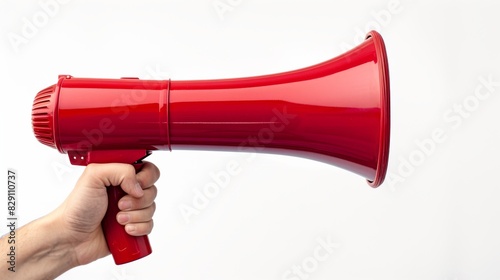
{"x":139,"y":190}
{"x":125,"y":205}
{"x":123,"y":218}
{"x":130,"y":228}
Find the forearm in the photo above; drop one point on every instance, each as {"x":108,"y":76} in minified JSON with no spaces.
{"x":40,"y":252}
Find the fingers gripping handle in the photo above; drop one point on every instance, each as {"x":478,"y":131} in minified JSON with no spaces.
{"x":124,"y":247}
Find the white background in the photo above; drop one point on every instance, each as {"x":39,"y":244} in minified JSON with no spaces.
{"x":436,"y":217}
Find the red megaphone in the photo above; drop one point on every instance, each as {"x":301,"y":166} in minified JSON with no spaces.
{"x":336,"y":111}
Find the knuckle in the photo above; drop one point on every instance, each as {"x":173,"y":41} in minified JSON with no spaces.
{"x":150,"y":226}
{"x":157,"y":172}
{"x":154,"y":190}
{"x":151,"y":210}
{"x":129,"y":168}
{"x":154,"y":170}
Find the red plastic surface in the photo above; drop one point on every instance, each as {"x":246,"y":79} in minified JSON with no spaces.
{"x":111,"y":114}
{"x":337,"y":111}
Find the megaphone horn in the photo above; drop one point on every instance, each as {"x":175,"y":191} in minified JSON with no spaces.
{"x":336,"y":112}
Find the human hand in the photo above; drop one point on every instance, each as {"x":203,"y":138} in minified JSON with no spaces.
{"x":80,"y":215}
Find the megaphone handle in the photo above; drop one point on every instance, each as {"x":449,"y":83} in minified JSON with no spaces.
{"x":124,"y":247}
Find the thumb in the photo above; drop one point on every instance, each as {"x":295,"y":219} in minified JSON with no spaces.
{"x":116,"y":174}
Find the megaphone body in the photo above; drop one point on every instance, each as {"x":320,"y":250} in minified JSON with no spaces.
{"x":336,"y":112}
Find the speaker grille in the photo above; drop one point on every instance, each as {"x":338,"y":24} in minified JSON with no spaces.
{"x":42,"y":116}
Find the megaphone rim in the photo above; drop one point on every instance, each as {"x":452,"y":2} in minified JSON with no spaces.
{"x":385,"y":123}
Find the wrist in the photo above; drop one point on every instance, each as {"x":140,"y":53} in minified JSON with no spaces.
{"x":81,"y":244}
{"x":53,"y":249}
{"x":58,"y":243}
